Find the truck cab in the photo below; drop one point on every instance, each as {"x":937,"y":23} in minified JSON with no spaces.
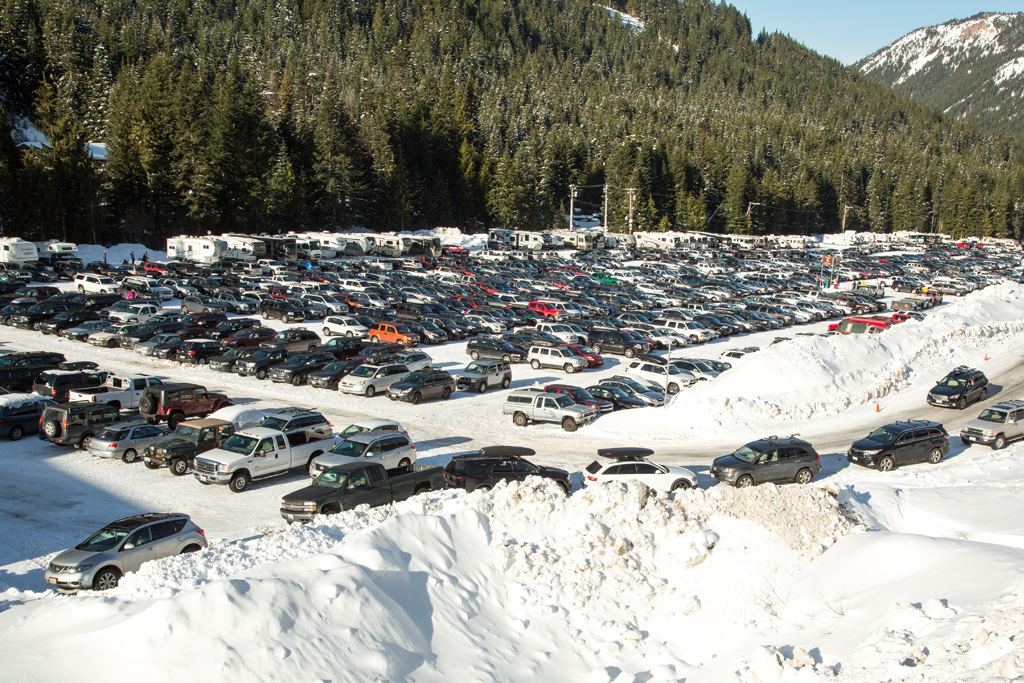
{"x":256,"y":454}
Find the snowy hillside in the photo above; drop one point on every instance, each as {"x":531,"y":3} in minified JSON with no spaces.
{"x":972,"y":68}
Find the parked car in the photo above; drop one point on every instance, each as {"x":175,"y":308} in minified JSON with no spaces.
{"x":344,"y":326}
{"x":121,"y":392}
{"x":348,"y":486}
{"x":296,"y":369}
{"x":76,"y":423}
{"x":581,"y":397}
{"x":494,"y":348}
{"x":190,"y":438}
{"x":372,"y":426}
{"x":555,"y":357}
{"x":615,"y":341}
{"x":627,"y":464}
{"x":960,"y":387}
{"x":248,"y":337}
{"x":261,"y":362}
{"x":281,"y":309}
{"x":771,"y":459}
{"x":371,"y":379}
{"x":56,"y":384}
{"x":176,"y":402}
{"x":900,"y":443}
{"x":528,"y":405}
{"x":20,"y":414}
{"x":671,"y":377}
{"x":619,"y":399}
{"x":997,"y":426}
{"x":423,"y":385}
{"x":125,"y":440}
{"x":481,"y":374}
{"x":257,"y":453}
{"x":295,"y":340}
{"x":330,"y":376}
{"x":120,"y":547}
{"x":198,"y":351}
{"x":389,"y":449}
{"x":634,"y":389}
{"x":19,"y":370}
{"x":394,"y":333}
{"x":482,"y":470}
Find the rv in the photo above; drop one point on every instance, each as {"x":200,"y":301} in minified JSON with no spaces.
{"x":307,"y":246}
{"x":581,"y":241}
{"x":196,"y":249}
{"x":418,"y":245}
{"x":53,"y":251}
{"x":244,"y":248}
{"x":499,"y":238}
{"x":529,"y":241}
{"x":386,"y":245}
{"x":282,"y":248}
{"x":658,"y":240}
{"x":18,"y":251}
{"x":332,"y":245}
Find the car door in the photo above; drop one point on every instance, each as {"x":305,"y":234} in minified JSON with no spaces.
{"x":1015,"y":424}
{"x":137,"y":548}
{"x":648,"y":474}
{"x":381,"y":487}
{"x":906,"y":450}
{"x":166,"y":542}
{"x":545,"y":408}
{"x":265,"y":459}
{"x":358,"y":490}
{"x":503,"y":470}
{"x":790,"y":462}
{"x":768,"y":467}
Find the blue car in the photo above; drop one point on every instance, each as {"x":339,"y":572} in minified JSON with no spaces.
{"x":20,"y":413}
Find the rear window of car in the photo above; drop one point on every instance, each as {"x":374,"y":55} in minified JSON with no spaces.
{"x":594,"y":467}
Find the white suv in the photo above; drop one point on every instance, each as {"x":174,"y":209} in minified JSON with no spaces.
{"x":370,"y":380}
{"x":344,"y":327}
{"x":136,"y":313}
{"x":95,"y":284}
{"x":555,"y":357}
{"x":626,"y":464}
{"x":654,"y":373}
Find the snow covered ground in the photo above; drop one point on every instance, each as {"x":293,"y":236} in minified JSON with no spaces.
{"x":914,"y":574}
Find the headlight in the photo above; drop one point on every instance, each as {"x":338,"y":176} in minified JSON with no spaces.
{"x":990,"y":432}
{"x":81,"y":568}
{"x":223,"y":469}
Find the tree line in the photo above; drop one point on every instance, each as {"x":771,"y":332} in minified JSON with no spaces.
{"x":274,"y":115}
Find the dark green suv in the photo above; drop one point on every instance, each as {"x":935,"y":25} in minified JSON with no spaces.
{"x":900,"y":443}
{"x":774,"y":459}
{"x":76,"y":423}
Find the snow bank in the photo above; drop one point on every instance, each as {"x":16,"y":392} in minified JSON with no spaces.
{"x":823,"y":376}
{"x":118,"y":253}
{"x":15,"y":400}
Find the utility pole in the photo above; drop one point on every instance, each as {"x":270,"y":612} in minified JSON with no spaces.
{"x":604,"y":218}
{"x":846,"y":208}
{"x":572,"y":206}
{"x":751,"y":205}
{"x":632,"y":194}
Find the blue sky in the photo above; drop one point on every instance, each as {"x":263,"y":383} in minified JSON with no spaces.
{"x":851,"y":30}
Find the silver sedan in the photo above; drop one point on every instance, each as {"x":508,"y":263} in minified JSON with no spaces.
{"x":125,"y":441}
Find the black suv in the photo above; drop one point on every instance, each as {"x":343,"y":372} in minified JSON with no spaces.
{"x":962,"y":386}
{"x":76,"y":423}
{"x":329,"y":376}
{"x":615,"y":341}
{"x":19,"y":370}
{"x":56,"y":384}
{"x":494,"y":348}
{"x":424,"y":384}
{"x":772,"y":459}
{"x":67,"y":319}
{"x":260,"y":363}
{"x":294,"y":340}
{"x":198,"y":351}
{"x":283,"y":309}
{"x":900,"y":443}
{"x":297,"y":368}
{"x":484,"y":469}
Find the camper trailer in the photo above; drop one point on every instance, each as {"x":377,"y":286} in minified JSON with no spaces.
{"x":54,"y":251}
{"x":332,"y":245}
{"x":658,"y":240}
{"x":196,"y":249}
{"x":307,"y":246}
{"x":386,"y":245}
{"x":420,"y":245}
{"x":581,"y":241}
{"x":552,"y":241}
{"x":499,"y":238}
{"x":244,"y":248}
{"x":17,"y":251}
{"x":281,"y":248}
{"x":527,"y":241}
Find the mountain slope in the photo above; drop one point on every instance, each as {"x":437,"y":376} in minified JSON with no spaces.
{"x":971,"y":69}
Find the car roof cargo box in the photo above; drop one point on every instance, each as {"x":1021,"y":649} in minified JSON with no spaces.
{"x":625,"y":453}
{"x":506,"y":451}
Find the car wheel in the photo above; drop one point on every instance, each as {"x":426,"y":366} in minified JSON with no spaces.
{"x":535,"y":364}
{"x":935,"y":456}
{"x":481,"y":386}
{"x":416,"y":398}
{"x":174,"y":419}
{"x":129,"y":456}
{"x":240,"y":482}
{"x":520,"y":419}
{"x":84,"y":442}
{"x":106,"y":580}
{"x":673,"y":388}
{"x":179,"y":466}
{"x":15,"y":433}
{"x":296,"y":380}
{"x":81,"y":289}
{"x":370,"y":391}
{"x":147,"y":406}
{"x":375,"y":339}
{"x":261,"y":373}
{"x":565,"y":486}
{"x":569,"y":424}
{"x":804,"y":476}
{"x":152,"y":466}
{"x":886,"y":464}
{"x":193,"y":548}
{"x":447,"y":393}
{"x":744,"y":481}
{"x":597,"y":349}
{"x":266,"y":316}
{"x":404,"y":462}
{"x":506,"y":358}
{"x":962,"y":403}
{"x":52,"y":429}
{"x":506,"y":382}
{"x":474,"y":354}
{"x":681,"y":485}
{"x":569,"y":368}
{"x":349,"y":334}
{"x":998,"y":444}
{"x":984,"y":393}
{"x":484,"y":487}
{"x":630,"y":352}
{"x":335,"y":384}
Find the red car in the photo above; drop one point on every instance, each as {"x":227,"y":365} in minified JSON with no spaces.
{"x":594,"y":360}
{"x":253,"y":336}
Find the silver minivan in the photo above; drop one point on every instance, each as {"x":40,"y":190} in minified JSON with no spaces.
{"x":125,"y":441}
{"x":392,"y":450}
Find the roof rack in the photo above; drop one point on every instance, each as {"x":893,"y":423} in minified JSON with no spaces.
{"x":506,"y":451}
{"x":622,"y":454}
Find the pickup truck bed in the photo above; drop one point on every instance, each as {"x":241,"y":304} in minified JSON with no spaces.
{"x":359,"y":484}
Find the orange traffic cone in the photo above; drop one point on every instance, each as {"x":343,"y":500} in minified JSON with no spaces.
{"x":986,"y":356}
{"x":878,"y":408}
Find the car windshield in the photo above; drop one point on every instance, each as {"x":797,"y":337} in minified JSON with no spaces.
{"x":240,"y":444}
{"x":885,"y":436}
{"x":112,"y":435}
{"x":364,"y":371}
{"x":989,"y":415}
{"x":478,"y":368}
{"x":334,"y":480}
{"x":334,"y":367}
{"x":353,"y":429}
{"x":104,"y":539}
{"x":674,"y":370}
{"x":746,"y":454}
{"x":187,"y":433}
{"x":582,"y":395}
{"x":416,"y":378}
{"x":261,"y":354}
{"x":349,"y":449}
{"x":564,"y":401}
{"x":952,"y":383}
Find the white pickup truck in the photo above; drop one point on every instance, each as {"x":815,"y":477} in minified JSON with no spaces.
{"x":257,"y":453}
{"x":120,"y":391}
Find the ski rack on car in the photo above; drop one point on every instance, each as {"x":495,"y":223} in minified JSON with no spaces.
{"x":625,"y":454}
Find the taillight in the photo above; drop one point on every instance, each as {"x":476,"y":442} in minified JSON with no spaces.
{"x":590,"y":478}
{"x":201,"y":532}
{"x":53,"y":392}
{"x":112,"y":446}
{"x":414,"y":446}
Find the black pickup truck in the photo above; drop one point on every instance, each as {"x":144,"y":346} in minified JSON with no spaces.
{"x":346,"y":487}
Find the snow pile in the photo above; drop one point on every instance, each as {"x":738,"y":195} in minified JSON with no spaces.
{"x":824,"y":376}
{"x":511,"y":584}
{"x":118,"y":253}
{"x":17,"y":400}
{"x":453,"y":237}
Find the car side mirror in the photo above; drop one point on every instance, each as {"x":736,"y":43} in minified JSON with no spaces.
{"x":128,"y":546}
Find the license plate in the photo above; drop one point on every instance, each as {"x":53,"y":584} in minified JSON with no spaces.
{"x":289,"y":516}
{"x":51,"y":580}
{"x":967,"y":438}
{"x":203,"y":478}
